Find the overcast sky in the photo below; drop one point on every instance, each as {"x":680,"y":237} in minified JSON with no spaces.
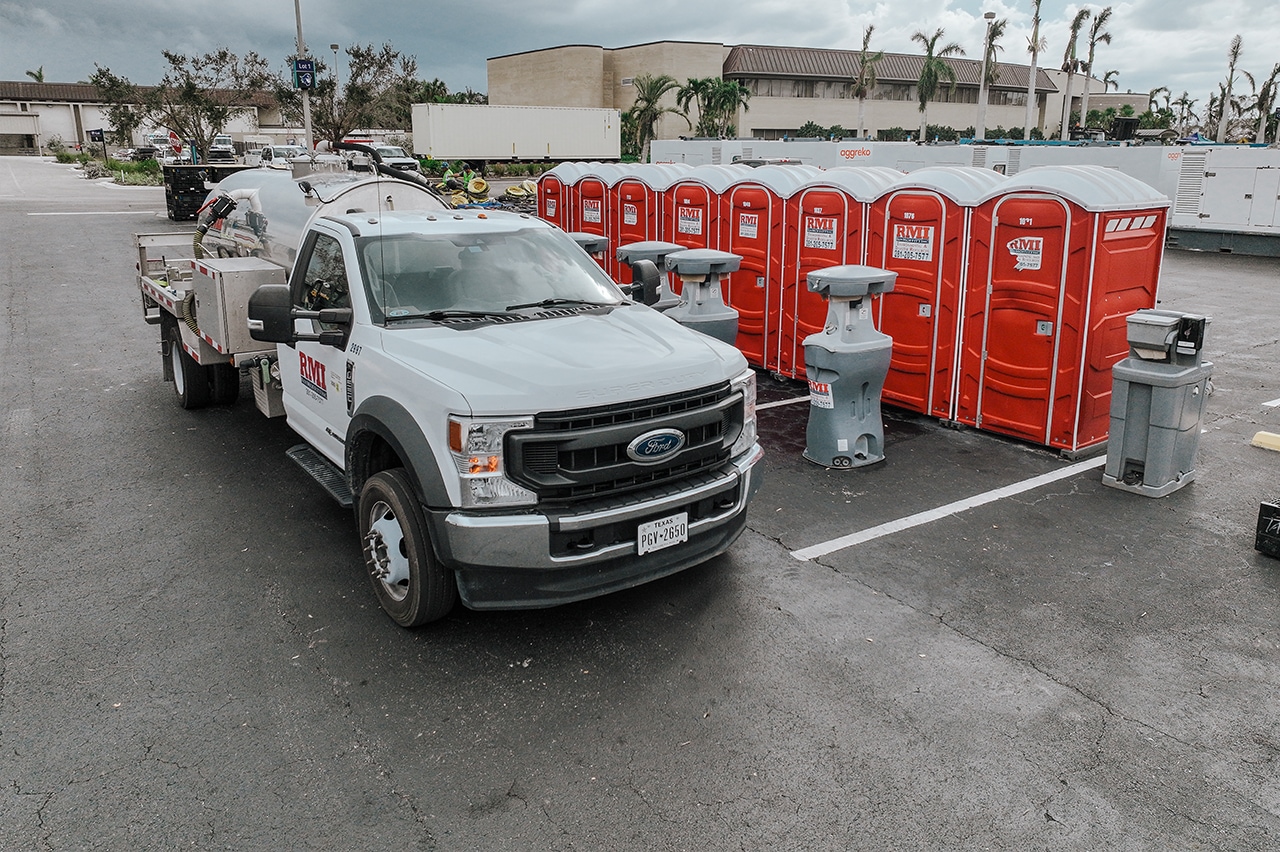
{"x":1182,"y":45}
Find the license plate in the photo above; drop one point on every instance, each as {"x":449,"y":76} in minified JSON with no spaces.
{"x":662,"y":533}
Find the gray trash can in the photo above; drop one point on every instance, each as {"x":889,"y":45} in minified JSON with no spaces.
{"x":596,"y":245}
{"x":1157,"y":404}
{"x":702,"y":304}
{"x":846,"y":364}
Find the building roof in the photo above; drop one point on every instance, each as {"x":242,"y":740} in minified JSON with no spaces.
{"x":754,"y":60}
{"x":87,"y":93}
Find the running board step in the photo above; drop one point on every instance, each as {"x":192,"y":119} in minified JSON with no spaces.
{"x":322,"y":471}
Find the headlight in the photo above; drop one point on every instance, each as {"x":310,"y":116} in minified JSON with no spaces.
{"x":746,"y":385}
{"x":476,"y":447}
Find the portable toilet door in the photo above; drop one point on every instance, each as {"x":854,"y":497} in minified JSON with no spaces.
{"x":555,"y":194}
{"x":691,"y":208}
{"x":919,"y":230}
{"x":752,"y":222}
{"x":1061,"y":255}
{"x":592,"y":206}
{"x":825,"y":226}
{"x":636,"y":208}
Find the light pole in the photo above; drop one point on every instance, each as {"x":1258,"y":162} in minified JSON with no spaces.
{"x":306,"y":95}
{"x":334,"y":48}
{"x":980,"y":131}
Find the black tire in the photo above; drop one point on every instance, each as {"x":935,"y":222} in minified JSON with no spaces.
{"x":225,"y":383}
{"x":190,"y":380}
{"x":411,"y":584}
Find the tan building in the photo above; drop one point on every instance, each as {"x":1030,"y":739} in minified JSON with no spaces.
{"x":789,"y":86}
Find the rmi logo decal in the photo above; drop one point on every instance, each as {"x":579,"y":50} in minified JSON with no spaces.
{"x":311,"y":372}
{"x":653,"y":447}
{"x":1027,"y":251}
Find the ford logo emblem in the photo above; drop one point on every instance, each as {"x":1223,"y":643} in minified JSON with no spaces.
{"x":653,"y":447}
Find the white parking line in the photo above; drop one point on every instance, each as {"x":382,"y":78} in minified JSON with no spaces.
{"x":1272,"y":404}
{"x":763,"y":405}
{"x":807,"y":553}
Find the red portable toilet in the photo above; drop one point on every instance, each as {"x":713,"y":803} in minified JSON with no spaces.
{"x":555,"y":194}
{"x":752,"y":225}
{"x":919,"y":229}
{"x":635,"y":202}
{"x":592,"y":213}
{"x":826,"y":225}
{"x":1059,"y":257}
{"x":691,"y":207}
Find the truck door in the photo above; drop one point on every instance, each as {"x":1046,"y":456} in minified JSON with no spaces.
{"x":312,"y":374}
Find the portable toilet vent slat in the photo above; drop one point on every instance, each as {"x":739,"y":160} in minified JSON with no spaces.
{"x":1060,"y":256}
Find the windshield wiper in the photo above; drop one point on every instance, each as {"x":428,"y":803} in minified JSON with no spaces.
{"x":452,"y":313}
{"x":551,"y":303}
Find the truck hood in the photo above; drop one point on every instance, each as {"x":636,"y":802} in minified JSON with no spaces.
{"x":577,"y":361}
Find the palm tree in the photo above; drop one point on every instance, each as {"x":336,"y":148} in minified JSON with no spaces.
{"x":933,"y":71}
{"x":1153,"y":97}
{"x":1071,"y":64}
{"x":1266,"y":100}
{"x":1184,"y":103}
{"x":1109,"y":81}
{"x":648,"y":108}
{"x":1096,"y":35}
{"x":995,"y":29}
{"x":37,"y":75}
{"x":865,"y":80}
{"x":1233,"y":56}
{"x":1035,"y":44}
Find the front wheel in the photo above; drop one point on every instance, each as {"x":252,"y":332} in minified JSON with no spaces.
{"x":411,"y":584}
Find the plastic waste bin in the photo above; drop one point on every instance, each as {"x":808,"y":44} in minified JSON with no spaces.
{"x":846,"y":364}
{"x":596,"y":245}
{"x":1157,"y":404}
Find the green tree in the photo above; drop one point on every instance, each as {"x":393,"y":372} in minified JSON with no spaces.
{"x":1035,"y":44}
{"x":1183,"y":104}
{"x":648,"y":109}
{"x":934,"y":70}
{"x":195,"y":98}
{"x":37,"y":75}
{"x":380,"y":89}
{"x":718,"y":101}
{"x":1266,"y":102}
{"x":1233,"y":57}
{"x":1097,"y":35}
{"x":864,"y":82}
{"x":1071,"y":65}
{"x":811,"y":130}
{"x":993,"y":47}
{"x":1109,"y":81}
{"x":1153,"y":97}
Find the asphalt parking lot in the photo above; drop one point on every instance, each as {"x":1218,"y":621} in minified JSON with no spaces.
{"x":191,"y":656}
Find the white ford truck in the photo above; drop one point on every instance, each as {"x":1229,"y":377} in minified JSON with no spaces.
{"x":509,"y":427}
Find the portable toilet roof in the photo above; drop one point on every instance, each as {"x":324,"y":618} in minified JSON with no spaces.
{"x":863,"y":183}
{"x":569,"y":172}
{"x":1095,"y":188}
{"x":658,"y":176}
{"x":717,"y":178}
{"x":781,"y":180}
{"x":606,"y":173}
{"x":965,"y":185}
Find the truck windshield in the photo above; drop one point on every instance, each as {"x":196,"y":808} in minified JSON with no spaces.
{"x":417,"y":276}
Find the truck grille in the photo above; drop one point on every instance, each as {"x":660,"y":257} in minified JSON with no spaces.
{"x":572,"y":455}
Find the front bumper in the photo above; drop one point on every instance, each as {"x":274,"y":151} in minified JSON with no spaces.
{"x":540,"y":560}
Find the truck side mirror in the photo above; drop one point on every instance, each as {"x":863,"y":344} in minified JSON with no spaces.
{"x":271,"y":314}
{"x":649,"y":278}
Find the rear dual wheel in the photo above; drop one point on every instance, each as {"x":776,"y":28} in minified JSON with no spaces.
{"x":198,"y":385}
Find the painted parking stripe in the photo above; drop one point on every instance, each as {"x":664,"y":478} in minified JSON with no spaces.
{"x":1275,"y":403}
{"x":817,"y":550}
{"x":97,"y":213}
{"x":761,"y":406}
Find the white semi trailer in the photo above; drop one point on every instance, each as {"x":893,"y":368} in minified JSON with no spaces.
{"x":488,"y":133}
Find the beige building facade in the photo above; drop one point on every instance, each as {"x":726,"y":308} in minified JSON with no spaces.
{"x":789,"y":86}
